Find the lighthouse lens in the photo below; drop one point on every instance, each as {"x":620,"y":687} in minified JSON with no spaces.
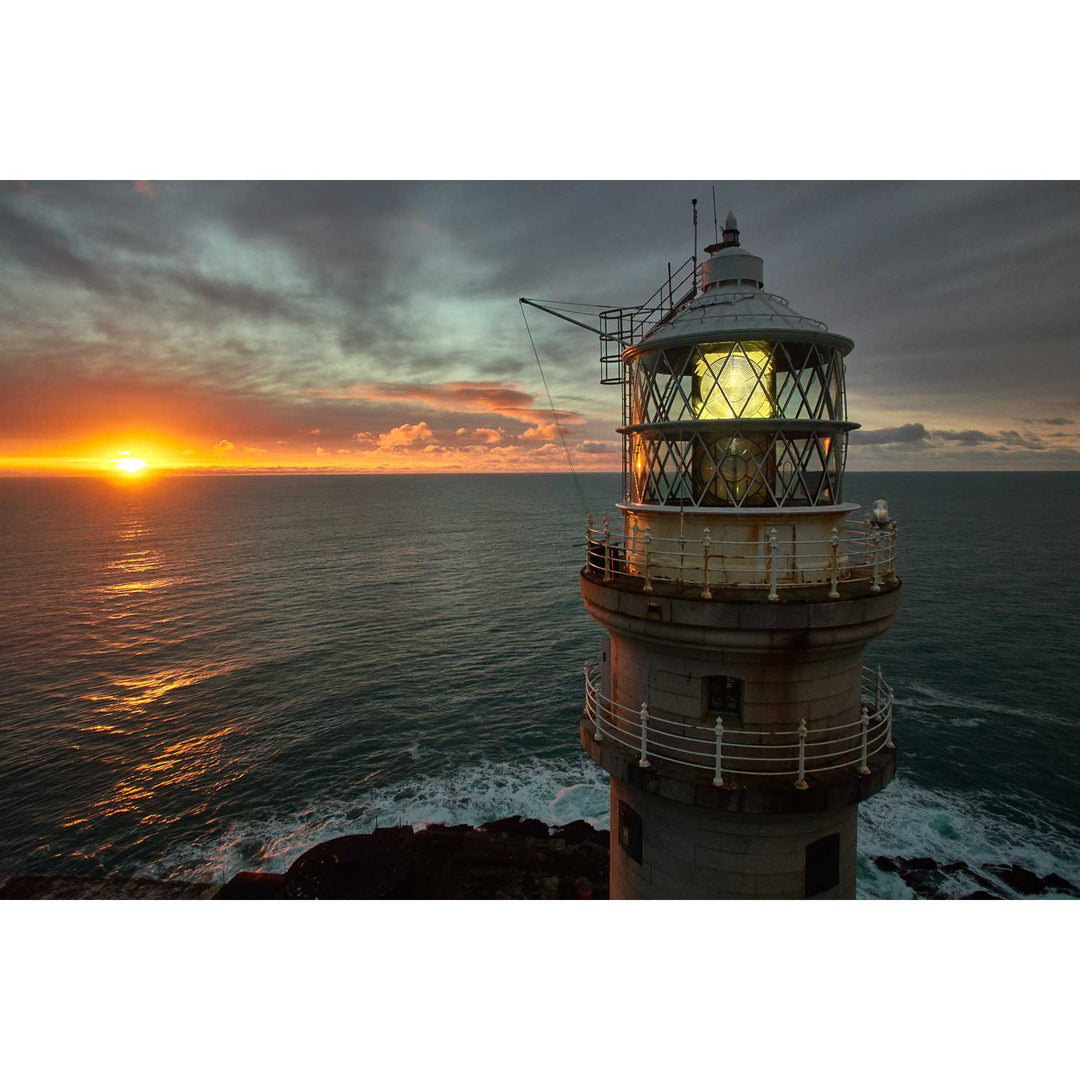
{"x":734,"y":379}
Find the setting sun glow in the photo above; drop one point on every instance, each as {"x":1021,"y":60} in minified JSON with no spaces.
{"x":127,"y":463}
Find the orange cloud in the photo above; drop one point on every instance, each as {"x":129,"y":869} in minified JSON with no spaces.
{"x":145,"y":189}
{"x":405,"y":435}
{"x":480,"y":397}
{"x":224,"y":446}
{"x":542,"y":432}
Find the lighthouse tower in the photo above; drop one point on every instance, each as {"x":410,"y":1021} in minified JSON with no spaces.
{"x":729,"y":703}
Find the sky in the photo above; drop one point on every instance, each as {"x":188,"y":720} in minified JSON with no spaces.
{"x":374,"y":326}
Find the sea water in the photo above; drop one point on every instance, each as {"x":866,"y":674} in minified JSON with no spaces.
{"x":200,"y":675}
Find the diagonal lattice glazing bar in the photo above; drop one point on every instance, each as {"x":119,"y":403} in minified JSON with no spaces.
{"x":741,"y":423}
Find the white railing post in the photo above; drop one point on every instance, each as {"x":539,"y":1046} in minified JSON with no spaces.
{"x":801,"y":783}
{"x":643,"y":761}
{"x":588,"y":540}
{"x":773,"y":594}
{"x":647,"y":587}
{"x":834,"y":540}
{"x":876,"y":587}
{"x":706,"y":543}
{"x":597,"y":704}
{"x":893,"y":579}
{"x":608,"y":575}
{"x":864,"y":721}
{"x":889,"y":744}
{"x":718,"y":775}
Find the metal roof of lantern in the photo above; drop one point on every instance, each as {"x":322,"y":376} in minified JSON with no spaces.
{"x":732,"y":303}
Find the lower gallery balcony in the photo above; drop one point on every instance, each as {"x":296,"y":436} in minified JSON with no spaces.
{"x":835,"y":557}
{"x":720,"y":754}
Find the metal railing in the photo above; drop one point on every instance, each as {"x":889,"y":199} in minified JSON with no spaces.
{"x":724,"y":750}
{"x":622,"y":327}
{"x":853,"y":551}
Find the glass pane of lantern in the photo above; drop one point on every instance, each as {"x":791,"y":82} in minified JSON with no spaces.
{"x":734,"y":379}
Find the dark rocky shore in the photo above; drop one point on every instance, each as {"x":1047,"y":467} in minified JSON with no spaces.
{"x":511,"y":859}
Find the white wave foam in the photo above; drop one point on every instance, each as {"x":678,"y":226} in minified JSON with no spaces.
{"x":912,"y":821}
{"x":932,"y":697}
{"x":554,"y":791}
{"x":905,"y":819}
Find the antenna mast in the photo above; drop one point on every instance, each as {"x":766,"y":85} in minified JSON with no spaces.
{"x":715,"y":228}
{"x":693,"y":202}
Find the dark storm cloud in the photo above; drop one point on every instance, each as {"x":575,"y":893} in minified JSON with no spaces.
{"x":908,"y":436}
{"x":906,"y":433}
{"x":246,"y":299}
{"x":962,"y":298}
{"x":47,"y":253}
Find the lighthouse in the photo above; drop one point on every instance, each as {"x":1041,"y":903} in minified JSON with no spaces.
{"x":729,"y":703}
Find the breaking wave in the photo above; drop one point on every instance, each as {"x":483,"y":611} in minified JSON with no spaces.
{"x":903,"y":820}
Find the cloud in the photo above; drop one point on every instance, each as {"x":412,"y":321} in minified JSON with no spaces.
{"x":1053,"y":421}
{"x":591,"y":446}
{"x":542,"y":432}
{"x":918,"y":437}
{"x":906,"y":433}
{"x":224,"y":446}
{"x":404,"y":435}
{"x":966,"y":438}
{"x":145,"y":189}
{"x":497,"y":398}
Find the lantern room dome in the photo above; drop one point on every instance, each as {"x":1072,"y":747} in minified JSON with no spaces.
{"x":733,"y":305}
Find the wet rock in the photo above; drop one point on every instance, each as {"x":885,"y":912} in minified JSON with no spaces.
{"x":580,"y":832}
{"x":511,"y":859}
{"x":1059,"y":884}
{"x":61,"y":887}
{"x":248,"y":885}
{"x":1016,"y":877}
{"x":362,"y":867}
{"x":518,"y":826}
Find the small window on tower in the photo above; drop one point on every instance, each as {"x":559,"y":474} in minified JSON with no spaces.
{"x":822,"y":865}
{"x":630,"y":831}
{"x":724,"y":697}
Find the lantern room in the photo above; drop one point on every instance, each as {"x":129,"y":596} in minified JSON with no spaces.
{"x":736,"y":400}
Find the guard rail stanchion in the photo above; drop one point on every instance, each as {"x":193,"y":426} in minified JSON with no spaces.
{"x":801,"y":783}
{"x":647,"y":587}
{"x":834,"y":540}
{"x":643,"y":761}
{"x":718,"y":776}
{"x":706,"y":543}
{"x":876,"y":545}
{"x":864,"y":722}
{"x":773,"y":594}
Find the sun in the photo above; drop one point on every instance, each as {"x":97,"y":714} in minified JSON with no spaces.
{"x":126,"y":463}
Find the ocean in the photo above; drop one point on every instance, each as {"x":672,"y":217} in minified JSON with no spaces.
{"x":200,"y":675}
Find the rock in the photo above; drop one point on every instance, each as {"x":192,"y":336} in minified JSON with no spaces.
{"x":511,"y":859}
{"x":1059,"y":884}
{"x":518,"y":826}
{"x":361,"y":867}
{"x":248,"y":885}
{"x":1016,"y":877}
{"x":580,"y":832}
